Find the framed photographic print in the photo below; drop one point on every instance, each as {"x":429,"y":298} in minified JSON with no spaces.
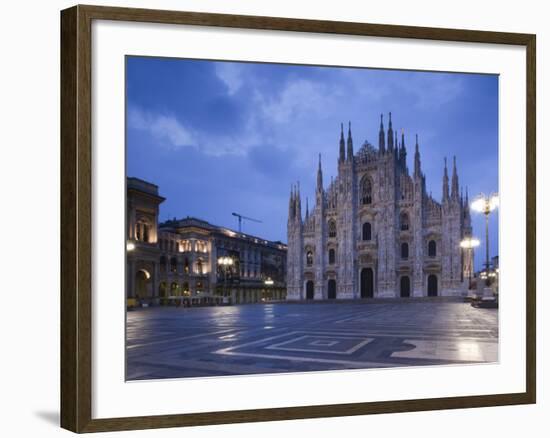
{"x":268,"y":218}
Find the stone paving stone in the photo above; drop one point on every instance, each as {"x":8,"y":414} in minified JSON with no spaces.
{"x":166,"y":342}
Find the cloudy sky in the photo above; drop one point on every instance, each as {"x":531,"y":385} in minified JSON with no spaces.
{"x":223,"y":137}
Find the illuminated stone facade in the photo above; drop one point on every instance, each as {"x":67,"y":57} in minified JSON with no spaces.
{"x":176,"y":262}
{"x":376,"y":231}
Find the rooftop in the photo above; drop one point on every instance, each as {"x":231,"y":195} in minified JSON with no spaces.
{"x":189,"y":221}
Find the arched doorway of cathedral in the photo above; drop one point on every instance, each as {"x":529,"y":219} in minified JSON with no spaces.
{"x":405,"y":287}
{"x":331,"y":289}
{"x":432,"y":285}
{"x":309,"y":290}
{"x":143,"y":284}
{"x":367,"y":283}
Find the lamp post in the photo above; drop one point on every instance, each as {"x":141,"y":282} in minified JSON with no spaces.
{"x":486,"y":204}
{"x":225,"y":262}
{"x":267,"y":282}
{"x":469,"y":243}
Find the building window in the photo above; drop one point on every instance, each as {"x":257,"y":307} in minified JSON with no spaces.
{"x":432,"y":248}
{"x":404,"y":250}
{"x":199,"y":267}
{"x":185,"y":288}
{"x":173,"y":264}
{"x":309,"y":258}
{"x":332,"y":229}
{"x":366,"y":191}
{"x":367,"y":231}
{"x":331,"y":256}
{"x":404,"y":221}
{"x":162,"y":264}
{"x":142,"y":231}
{"x":186,"y":265}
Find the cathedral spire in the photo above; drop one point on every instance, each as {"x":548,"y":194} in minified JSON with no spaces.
{"x":454,"y":181}
{"x":350,"y":145}
{"x":307,"y":207}
{"x":298,"y":202}
{"x":445,"y":182}
{"x":403,"y":151}
{"x":319,"y":176}
{"x":342,"y":145}
{"x":291,"y":203}
{"x":390,"y":135}
{"x":417,"y":169}
{"x":381,"y":136}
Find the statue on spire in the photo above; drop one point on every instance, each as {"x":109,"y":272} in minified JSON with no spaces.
{"x":381,"y":136}
{"x":350,"y":145}
{"x":390,"y":135}
{"x":454,"y":182}
{"x":445,"y":182}
{"x":417,"y":168}
{"x":342,"y":157}
{"x":319,"y":176}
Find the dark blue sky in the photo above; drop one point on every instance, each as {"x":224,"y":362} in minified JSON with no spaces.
{"x":219,"y":137}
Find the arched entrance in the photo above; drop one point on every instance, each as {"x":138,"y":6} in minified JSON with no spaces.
{"x":405,"y":287}
{"x":332,"y":289}
{"x":143,"y":284}
{"x":432,"y":285}
{"x":163,"y":292}
{"x":367,"y":283}
{"x":309,"y":290}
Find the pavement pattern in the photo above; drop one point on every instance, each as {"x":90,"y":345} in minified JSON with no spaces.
{"x":170,"y":342}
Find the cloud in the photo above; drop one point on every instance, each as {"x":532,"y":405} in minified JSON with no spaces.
{"x":171,"y":133}
{"x":298,"y":98}
{"x":433,"y":91}
{"x":166,"y":129}
{"x":230,"y":73}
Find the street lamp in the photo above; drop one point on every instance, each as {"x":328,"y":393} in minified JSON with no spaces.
{"x":470,"y":243}
{"x":267,"y":295}
{"x":130,"y":246}
{"x":486,"y":204}
{"x":225,"y":263}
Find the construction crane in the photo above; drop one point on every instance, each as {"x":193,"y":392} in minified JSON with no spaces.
{"x":241,"y":217}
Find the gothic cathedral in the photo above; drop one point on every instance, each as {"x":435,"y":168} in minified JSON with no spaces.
{"x":375,"y":232}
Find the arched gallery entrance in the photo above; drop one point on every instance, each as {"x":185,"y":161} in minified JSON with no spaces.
{"x":143,"y":284}
{"x":309,"y":290}
{"x":405,"y":287}
{"x":332,"y":289}
{"x":432,"y":285}
{"x":367,"y":283}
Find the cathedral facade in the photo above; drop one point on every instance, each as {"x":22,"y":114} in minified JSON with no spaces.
{"x":375,"y":232}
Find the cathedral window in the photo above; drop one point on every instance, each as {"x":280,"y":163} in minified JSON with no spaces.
{"x":173,"y":264}
{"x":331,"y":256}
{"x":309,"y":258}
{"x":404,"y":250}
{"x":404,"y":221}
{"x":366,"y":191}
{"x":432,"y":248}
{"x":332,"y":229}
{"x":367,"y":231}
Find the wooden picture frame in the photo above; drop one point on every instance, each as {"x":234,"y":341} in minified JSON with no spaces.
{"x":76,"y":218}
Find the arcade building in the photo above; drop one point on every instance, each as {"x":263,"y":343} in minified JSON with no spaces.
{"x":192,"y":262}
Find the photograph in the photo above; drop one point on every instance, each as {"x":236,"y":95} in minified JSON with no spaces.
{"x":287,"y":218}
